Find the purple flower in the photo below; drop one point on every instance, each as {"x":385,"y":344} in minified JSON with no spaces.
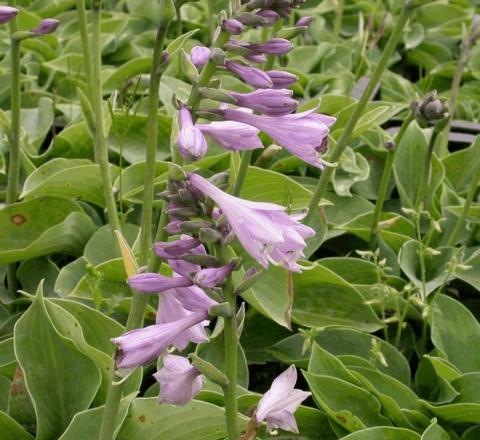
{"x":302,"y":134}
{"x":185,"y":268}
{"x":271,"y":16}
{"x":140,"y":346}
{"x":281,"y":79}
{"x":233,"y":136}
{"x":280,"y":402}
{"x":266,"y":232}
{"x":194,"y":299}
{"x":155,"y":283}
{"x":46,"y":26}
{"x":7,"y":14}
{"x":251,"y":75}
{"x":304,"y":21}
{"x":190,"y":141}
{"x":272,"y":102}
{"x":176,"y":249}
{"x":233,"y":26}
{"x":258,"y":59}
{"x":179,"y":381}
{"x":213,"y":276}
{"x":199,"y":55}
{"x":173,"y":227}
{"x":170,"y":309}
{"x":274,"y":46}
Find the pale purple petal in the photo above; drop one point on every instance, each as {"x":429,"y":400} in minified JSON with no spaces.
{"x":233,"y":136}
{"x":46,"y":26}
{"x":175,"y":249}
{"x":272,"y":102}
{"x":251,"y":75}
{"x":156,"y":283}
{"x":213,"y":276}
{"x":199,"y":55}
{"x":281,"y":79}
{"x":7,"y":13}
{"x":179,"y":381}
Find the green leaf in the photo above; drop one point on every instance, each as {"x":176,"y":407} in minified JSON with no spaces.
{"x":146,"y":420}
{"x":435,"y":432}
{"x":5,"y":385}
{"x":409,"y":163}
{"x":343,"y":341}
{"x":32,"y":272}
{"x":455,"y":331}
{"x":42,"y":226}
{"x":347,"y":405}
{"x":60,"y":379}
{"x":323,"y":298}
{"x":323,"y":363}
{"x":11,"y":430}
{"x":431,"y":383}
{"x":72,"y":178}
{"x":383,"y":433}
{"x":351,"y":168}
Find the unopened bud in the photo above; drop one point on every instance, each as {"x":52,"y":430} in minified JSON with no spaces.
{"x":232,"y":26}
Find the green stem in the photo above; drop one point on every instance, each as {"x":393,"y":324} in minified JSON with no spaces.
{"x":346,"y":137}
{"x":87,"y":54}
{"x":425,"y":176}
{"x":101,"y":151}
{"x":459,"y":226}
{"x":421,"y":256}
{"x":242,"y":172}
{"x":14,"y":153}
{"x":387,"y":172}
{"x":140,"y":301}
{"x":231,"y":351}
{"x":337,"y":26}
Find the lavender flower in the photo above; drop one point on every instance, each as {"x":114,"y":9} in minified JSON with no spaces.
{"x":266,"y":232}
{"x":233,"y":136}
{"x":258,"y":59}
{"x":185,"y":268}
{"x":281,"y":79}
{"x":194,"y":299}
{"x":7,"y":14}
{"x":140,"y":346}
{"x":176,"y":249}
{"x":170,"y":309}
{"x":302,"y":134}
{"x":251,"y":75}
{"x":304,"y":21}
{"x":232,"y":26}
{"x":274,"y":46}
{"x":199,"y":55}
{"x":155,"y":283}
{"x":280,"y":402}
{"x":46,"y":26}
{"x":213,"y":276}
{"x":190,"y":141}
{"x":272,"y":102}
{"x":173,"y":226}
{"x":179,"y":381}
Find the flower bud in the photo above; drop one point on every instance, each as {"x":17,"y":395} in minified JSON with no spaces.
{"x":214,"y":276}
{"x":46,"y":26}
{"x":271,"y":17}
{"x":430,"y":110}
{"x":232,"y":26}
{"x":200,"y":55}
{"x":7,"y":14}
{"x":251,"y":19}
{"x":281,"y":79}
{"x":304,"y":21}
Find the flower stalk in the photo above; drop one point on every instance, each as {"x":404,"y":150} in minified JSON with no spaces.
{"x":387,"y":173}
{"x":346,"y":137}
{"x":242,"y":172}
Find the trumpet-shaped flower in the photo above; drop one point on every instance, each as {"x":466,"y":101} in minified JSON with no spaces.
{"x":233,"y":136}
{"x":190,"y":141}
{"x":141,"y":346}
{"x":271,"y":102}
{"x":303,"y":134}
{"x":266,"y":232}
{"x":280,"y":402}
{"x":179,"y":381}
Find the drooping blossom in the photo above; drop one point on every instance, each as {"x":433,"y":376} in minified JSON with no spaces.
{"x":169,"y":310}
{"x":176,"y":249}
{"x":7,"y":13}
{"x":191,"y":143}
{"x":194,"y":299}
{"x":213,"y":276}
{"x":46,"y":26}
{"x":199,"y":55}
{"x":156,"y":283}
{"x":305,"y":134}
{"x":281,"y":79}
{"x":140,"y":346}
{"x":266,"y":232}
{"x":279,"y":403}
{"x":251,"y":75}
{"x":179,"y":381}
{"x":271,"y":102}
{"x":233,"y":136}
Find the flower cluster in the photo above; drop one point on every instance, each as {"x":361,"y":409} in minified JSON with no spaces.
{"x":46,"y":26}
{"x":269,"y":108}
